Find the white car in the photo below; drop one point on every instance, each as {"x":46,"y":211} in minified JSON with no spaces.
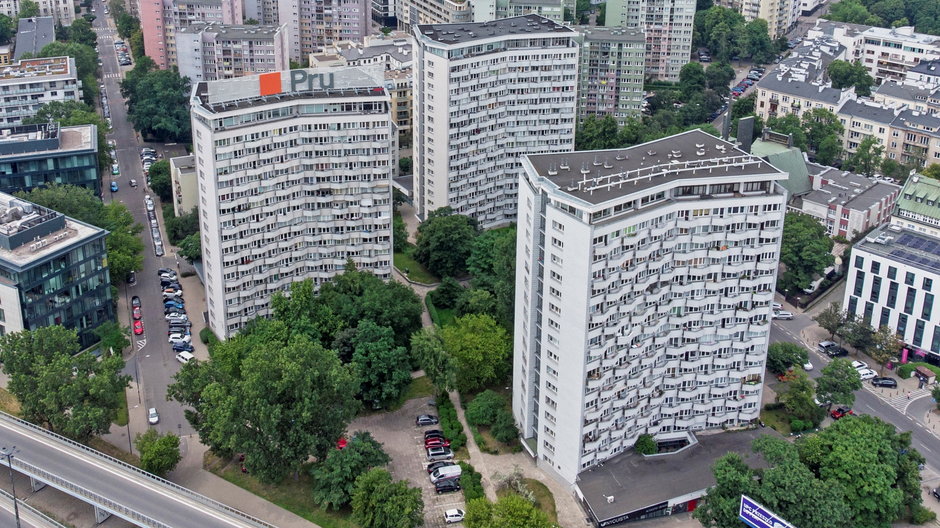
{"x":781,"y":314}
{"x":176,"y":315}
{"x":776,"y":306}
{"x":859,"y":365}
{"x":179,"y":338}
{"x":453,"y":516}
{"x":152,"y":416}
{"x":867,"y":374}
{"x":808,"y":366}
{"x":185,"y":357}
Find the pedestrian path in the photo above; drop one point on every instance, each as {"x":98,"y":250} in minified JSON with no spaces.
{"x":112,"y":75}
{"x":902,"y":400}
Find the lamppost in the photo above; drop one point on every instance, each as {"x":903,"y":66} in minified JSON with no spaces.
{"x":8,"y":453}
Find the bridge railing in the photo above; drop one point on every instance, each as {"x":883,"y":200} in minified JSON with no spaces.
{"x":202,"y":499}
{"x":86,"y":494}
{"x":49,"y":521}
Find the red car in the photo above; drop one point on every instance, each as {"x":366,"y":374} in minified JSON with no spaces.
{"x":136,"y":312}
{"x":138,"y":327}
{"x":841,"y":412}
{"x":436,"y":442}
{"x":341,"y":443}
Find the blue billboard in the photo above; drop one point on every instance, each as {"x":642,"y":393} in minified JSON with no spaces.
{"x":757,"y":516}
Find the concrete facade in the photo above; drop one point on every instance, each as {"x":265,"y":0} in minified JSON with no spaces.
{"x":611,"y":73}
{"x":667,"y":25}
{"x":28,"y":84}
{"x":644,"y":284}
{"x":210,"y":52}
{"x":849,"y":204}
{"x":34,"y":156}
{"x":485,"y":95}
{"x":183,"y":179}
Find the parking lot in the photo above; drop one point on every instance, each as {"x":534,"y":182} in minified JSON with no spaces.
{"x":404,"y":443}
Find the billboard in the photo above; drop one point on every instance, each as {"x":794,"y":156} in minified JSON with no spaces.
{"x":758,"y":516}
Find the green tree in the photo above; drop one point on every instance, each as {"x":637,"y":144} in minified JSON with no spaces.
{"x":480,"y":349}
{"x":86,"y":64}
{"x":383,"y":368}
{"x":444,"y":242}
{"x":805,"y":251}
{"x":932,"y":171}
{"x":820,"y":124}
{"x":510,"y":511}
{"x":781,"y":356}
{"x":829,"y":150}
{"x":733,"y":478}
{"x":799,"y":399}
{"x":73,"y":113}
{"x":160,"y":180}
{"x":126,"y":24}
{"x":935,"y":394}
{"x":692,"y":79}
{"x":7,"y":29}
{"x":844,"y":74}
{"x":831,"y":319}
{"x":335,"y":477}
{"x":276,"y":396}
{"x":28,"y":9}
{"x":404,"y":165}
{"x":646,"y":445}
{"x":867,"y":157}
{"x":70,"y":393}
{"x":596,"y":133}
{"x":427,"y":349}
{"x":159,"y":454}
{"x":492,"y":263}
{"x":838,"y":383}
{"x":857,"y":332}
{"x":113,"y":337}
{"x":399,"y":234}
{"x":447,"y":293}
{"x":718,"y":76}
{"x":378,"y":502}
{"x":158,"y":102}
{"x":476,"y":300}
{"x":136,"y":44}
{"x":885,"y":344}
{"x":180,"y":227}
{"x":755,"y":42}
{"x":790,"y":124}
{"x":81,"y":32}
{"x":190,"y":247}
{"x":485,"y":408}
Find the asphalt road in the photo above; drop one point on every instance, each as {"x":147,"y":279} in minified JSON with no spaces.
{"x":152,"y":362}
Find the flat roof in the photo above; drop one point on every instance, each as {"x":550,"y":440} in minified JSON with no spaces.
{"x":231,"y":31}
{"x":25,"y":70}
{"x":18,"y":217}
{"x":467,"y":32}
{"x":33,"y":34}
{"x":635,"y":481}
{"x":620,"y":172}
{"x":35,"y":142}
{"x":850,"y":190}
{"x":613,"y":34}
{"x":904,"y":246}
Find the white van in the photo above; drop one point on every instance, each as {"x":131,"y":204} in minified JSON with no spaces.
{"x":446,"y":472}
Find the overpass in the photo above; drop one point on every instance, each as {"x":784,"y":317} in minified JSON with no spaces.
{"x":113,"y":487}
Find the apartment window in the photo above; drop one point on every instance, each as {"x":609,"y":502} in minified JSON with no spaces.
{"x":885,"y":317}
{"x":869,"y":309}
{"x":909,"y":301}
{"x":556,"y":276}
{"x":875,"y":265}
{"x":853,"y":304}
{"x":902,"y":325}
{"x":859,"y":283}
{"x":875,"y":289}
{"x":558,"y":226}
{"x":909,"y":279}
{"x":928,"y":306}
{"x":892,"y":294}
{"x":859,"y":262}
{"x":918,"y":333}
{"x":935,"y":346}
{"x":928,"y":284}
{"x":892,"y":273}
{"x":557,"y":243}
{"x":554,"y":292}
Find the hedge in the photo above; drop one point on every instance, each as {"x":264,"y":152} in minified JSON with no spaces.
{"x":471,"y":481}
{"x":450,"y":424}
{"x":904,"y":371}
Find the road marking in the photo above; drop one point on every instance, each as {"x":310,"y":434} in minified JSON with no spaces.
{"x":141,"y":344}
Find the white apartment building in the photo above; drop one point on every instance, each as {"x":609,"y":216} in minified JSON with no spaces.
{"x":27,"y":84}
{"x":780,"y":15}
{"x":294,"y":172}
{"x":62,"y":11}
{"x":611,"y":74}
{"x":412,"y":12}
{"x":667,"y":25}
{"x":312,"y":26}
{"x":862,"y":119}
{"x":894,"y":273}
{"x":209,"y":52}
{"x":486,"y":10}
{"x":644,"y":282}
{"x":484,"y":95}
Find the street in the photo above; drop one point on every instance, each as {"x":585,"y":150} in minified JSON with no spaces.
{"x":151,"y":362}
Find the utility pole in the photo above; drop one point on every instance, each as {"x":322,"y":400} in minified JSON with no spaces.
{"x":8,"y":454}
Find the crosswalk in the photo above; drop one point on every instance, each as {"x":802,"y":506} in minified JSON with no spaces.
{"x":141,"y":343}
{"x":112,"y":75}
{"x":901,"y":400}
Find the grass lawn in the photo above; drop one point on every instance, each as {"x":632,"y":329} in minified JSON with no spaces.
{"x":442,"y":316}
{"x":778,"y":419}
{"x":418,"y":388}
{"x":493,"y":443}
{"x":412,"y":268}
{"x":121,"y":415}
{"x":292,"y":495}
{"x":8,"y":403}
{"x":544,"y":500}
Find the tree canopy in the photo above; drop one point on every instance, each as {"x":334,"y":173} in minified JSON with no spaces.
{"x":444,"y":242}
{"x":159,"y":454}
{"x":867,"y":157}
{"x":844,"y":74}
{"x":492,"y":263}
{"x":160,"y":179}
{"x":510,"y":511}
{"x":334,"y":478}
{"x":838,"y":382}
{"x":924,"y":15}
{"x":73,"y":113}
{"x":7,"y":29}
{"x":384,"y":368}
{"x":480,"y":348}
{"x":781,"y":356}
{"x":70,"y":393}
{"x":726,"y":34}
{"x":379,"y":502}
{"x":158,"y":102}
{"x":805,"y":250}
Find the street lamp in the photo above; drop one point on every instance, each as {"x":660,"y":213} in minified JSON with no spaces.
{"x":8,"y":453}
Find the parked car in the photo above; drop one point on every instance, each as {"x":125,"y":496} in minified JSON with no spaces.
{"x":443,"y":463}
{"x":867,"y":374}
{"x":439,"y":453}
{"x":135,"y":312}
{"x":114,"y":187}
{"x":841,"y":412}
{"x":135,"y":301}
{"x":808,"y":366}
{"x":158,"y":249}
{"x":432,"y":433}
{"x":175,"y":315}
{"x":132,"y":183}
{"x":183,"y":347}
{"x":456,"y":515}
{"x":152,"y":416}
{"x":777,"y":307}
{"x":447,"y":486}
{"x":886,"y":382}
{"x":783,"y":314}
{"x":180,"y":338}
{"x":435,"y":441}
{"x":426,"y":419}
{"x":174,"y":305}
{"x":138,"y":327}
{"x":132,"y":277}
{"x":859,"y":365}
{"x":115,"y":169}
{"x":936,"y":493}
{"x":185,"y":357}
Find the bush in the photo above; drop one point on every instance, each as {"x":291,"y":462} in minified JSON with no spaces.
{"x":905,"y":370}
{"x":471,"y":481}
{"x":646,"y":445}
{"x":208,"y":337}
{"x":504,"y":428}
{"x":773,"y":406}
{"x":921,"y":515}
{"x":797,"y":425}
{"x":449,"y":423}
{"x":485,"y":408}
{"x":446,"y":295}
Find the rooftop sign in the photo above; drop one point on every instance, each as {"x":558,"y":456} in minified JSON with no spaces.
{"x":295,"y":81}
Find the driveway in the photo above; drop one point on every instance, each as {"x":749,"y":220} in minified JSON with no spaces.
{"x":404,"y":443}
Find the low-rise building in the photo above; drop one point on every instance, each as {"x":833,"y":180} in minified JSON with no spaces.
{"x":611,"y":72}
{"x":918,"y":206}
{"x":6,"y":54}
{"x":862,"y":119}
{"x":848,"y":204}
{"x":917,"y":97}
{"x":34,"y":156}
{"x":28,"y":84}
{"x":915,"y":138}
{"x":209,"y":52}
{"x":53,"y":271}
{"x":926,"y":73}
{"x":32,"y":35}
{"x":185,"y":184}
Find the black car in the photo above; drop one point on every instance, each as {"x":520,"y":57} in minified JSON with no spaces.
{"x":837,"y":351}
{"x":165,"y":270}
{"x":135,"y":301}
{"x":447,"y":486}
{"x":936,"y":493}
{"x":132,"y":277}
{"x":890,"y":383}
{"x":433,"y":432}
{"x":183,"y":347}
{"x":426,"y":419}
{"x":443,"y":463}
